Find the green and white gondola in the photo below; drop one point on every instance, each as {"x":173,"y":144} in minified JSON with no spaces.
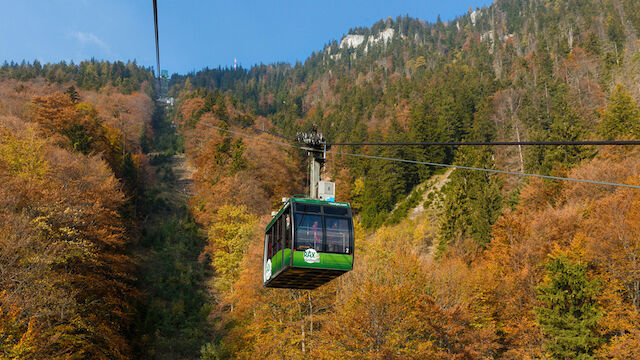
{"x":308,"y":243}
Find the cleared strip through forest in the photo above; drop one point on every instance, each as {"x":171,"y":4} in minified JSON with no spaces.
{"x":173,"y":312}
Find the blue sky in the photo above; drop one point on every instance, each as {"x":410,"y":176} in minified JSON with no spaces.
{"x":195,"y":33}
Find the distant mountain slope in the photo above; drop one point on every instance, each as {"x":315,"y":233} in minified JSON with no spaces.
{"x":516,"y":70}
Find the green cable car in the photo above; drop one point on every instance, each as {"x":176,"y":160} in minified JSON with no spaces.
{"x":308,"y":243}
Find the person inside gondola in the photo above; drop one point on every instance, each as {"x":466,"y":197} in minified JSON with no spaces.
{"x":337,"y":235}
{"x":317,"y":236}
{"x":331,"y":234}
{"x":308,"y":229}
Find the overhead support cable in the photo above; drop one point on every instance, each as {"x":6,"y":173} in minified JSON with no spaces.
{"x":155,"y":24}
{"x":250,"y":136}
{"x":488,"y":170}
{"x":255,"y":128}
{"x":496,"y":143}
{"x":434,"y":164}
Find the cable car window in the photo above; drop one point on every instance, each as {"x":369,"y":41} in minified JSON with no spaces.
{"x":270,"y":243}
{"x":277,"y":236}
{"x":308,"y":232}
{"x":287,"y":228}
{"x":334,"y":210}
{"x":308,"y":208}
{"x":338,"y":234}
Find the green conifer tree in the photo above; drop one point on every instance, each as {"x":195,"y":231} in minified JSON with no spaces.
{"x":568,"y":313}
{"x":473,"y":201}
{"x":622,"y":117}
{"x":73,"y":94}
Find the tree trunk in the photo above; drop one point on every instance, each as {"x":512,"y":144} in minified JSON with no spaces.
{"x":519,"y":148}
{"x":302,"y":329}
{"x":310,"y":318}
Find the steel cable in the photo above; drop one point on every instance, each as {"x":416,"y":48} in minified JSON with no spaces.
{"x":496,"y":143}
{"x":439,"y":164}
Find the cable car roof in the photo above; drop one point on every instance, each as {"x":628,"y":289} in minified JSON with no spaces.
{"x":300,"y":200}
{"x":318,"y":202}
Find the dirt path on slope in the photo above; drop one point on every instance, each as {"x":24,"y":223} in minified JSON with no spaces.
{"x":173,"y":178}
{"x":437,"y":182}
{"x":183,"y":171}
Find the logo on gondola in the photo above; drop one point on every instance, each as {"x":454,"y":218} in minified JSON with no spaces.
{"x":267,"y":270}
{"x":311,"y":256}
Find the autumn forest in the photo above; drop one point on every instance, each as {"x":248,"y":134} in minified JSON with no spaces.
{"x":134,"y":229}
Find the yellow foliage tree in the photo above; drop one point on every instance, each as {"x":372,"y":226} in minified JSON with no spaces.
{"x":229,"y":237}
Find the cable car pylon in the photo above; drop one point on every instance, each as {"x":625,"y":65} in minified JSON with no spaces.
{"x":316,"y":146}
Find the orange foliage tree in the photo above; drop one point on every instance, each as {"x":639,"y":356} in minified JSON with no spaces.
{"x":66,"y":276}
{"x":596,"y":225}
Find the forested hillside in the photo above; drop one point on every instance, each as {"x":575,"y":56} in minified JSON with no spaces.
{"x":527,"y":70}
{"x":130,"y":229}
{"x":72,"y":169}
{"x":493,"y":266}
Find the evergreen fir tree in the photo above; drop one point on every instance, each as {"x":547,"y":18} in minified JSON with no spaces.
{"x":473,"y":201}
{"x":622,"y":117}
{"x":73,"y":94}
{"x":568,"y":314}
